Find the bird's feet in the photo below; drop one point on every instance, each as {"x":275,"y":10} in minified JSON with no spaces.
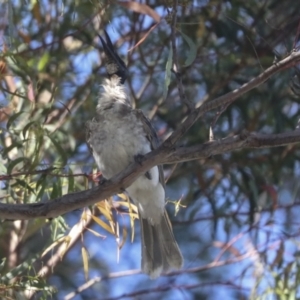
{"x":138,"y":159}
{"x":101,"y":179}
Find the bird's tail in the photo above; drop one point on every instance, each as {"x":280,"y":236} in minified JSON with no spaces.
{"x":160,"y":251}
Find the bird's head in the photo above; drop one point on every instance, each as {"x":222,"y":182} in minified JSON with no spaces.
{"x":115,"y":66}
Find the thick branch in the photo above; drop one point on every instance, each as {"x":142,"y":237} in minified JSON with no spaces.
{"x":243,"y":141}
{"x":162,"y":155}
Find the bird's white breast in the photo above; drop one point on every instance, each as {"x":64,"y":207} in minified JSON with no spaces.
{"x":116,"y":140}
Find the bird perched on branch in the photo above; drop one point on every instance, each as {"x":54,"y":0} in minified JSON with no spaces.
{"x":117,"y":136}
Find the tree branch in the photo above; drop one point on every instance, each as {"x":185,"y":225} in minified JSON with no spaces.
{"x":162,"y":155}
{"x":243,"y":141}
{"x":212,"y":265}
{"x":288,"y":62}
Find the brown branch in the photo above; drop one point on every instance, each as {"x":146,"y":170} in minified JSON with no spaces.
{"x":92,"y":281}
{"x":288,"y":62}
{"x":209,"y":266}
{"x":118,"y":183}
{"x":180,"y":287}
{"x":243,"y":141}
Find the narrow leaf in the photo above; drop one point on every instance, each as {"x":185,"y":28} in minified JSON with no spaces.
{"x":85,"y":260}
{"x":105,"y":211}
{"x":124,"y":237}
{"x":12,"y":119}
{"x":59,"y":148}
{"x":19,"y":270}
{"x":25,"y":185}
{"x":168,"y":74}
{"x":26,"y":128}
{"x":43,"y":61}
{"x":103,"y":224}
{"x":54,"y":244}
{"x":71,"y":182}
{"x":193,"y":50}
{"x":13,"y":163}
{"x":97,"y":234}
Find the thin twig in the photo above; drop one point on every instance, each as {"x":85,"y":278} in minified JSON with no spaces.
{"x":17,"y":174}
{"x":234,"y":214}
{"x":176,"y":273}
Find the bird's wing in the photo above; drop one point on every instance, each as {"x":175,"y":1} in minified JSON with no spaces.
{"x":152,"y":137}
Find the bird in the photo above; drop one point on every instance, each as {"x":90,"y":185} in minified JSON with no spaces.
{"x":119,"y":135}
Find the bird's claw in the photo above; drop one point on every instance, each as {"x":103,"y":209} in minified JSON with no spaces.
{"x":138,"y":158}
{"x":101,"y":179}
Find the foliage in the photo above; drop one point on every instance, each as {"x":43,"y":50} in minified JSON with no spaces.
{"x":237,"y":218}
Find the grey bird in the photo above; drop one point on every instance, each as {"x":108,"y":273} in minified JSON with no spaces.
{"x":117,"y":136}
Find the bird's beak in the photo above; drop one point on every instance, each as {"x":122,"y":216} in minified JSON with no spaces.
{"x":114,"y":64}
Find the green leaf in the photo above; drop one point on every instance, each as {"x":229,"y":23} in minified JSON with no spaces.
{"x":59,"y":187}
{"x":3,"y":168}
{"x":54,"y":193}
{"x":19,"y":270}
{"x":38,"y":146}
{"x":71,"y":182}
{"x":13,"y":163}
{"x":42,"y":182}
{"x":26,"y":128}
{"x":56,"y":189}
{"x":18,"y":64}
{"x":12,"y":119}
{"x":25,"y":185}
{"x":168,"y":74}
{"x":193,"y":50}
{"x":59,"y":148}
{"x":43,"y":61}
